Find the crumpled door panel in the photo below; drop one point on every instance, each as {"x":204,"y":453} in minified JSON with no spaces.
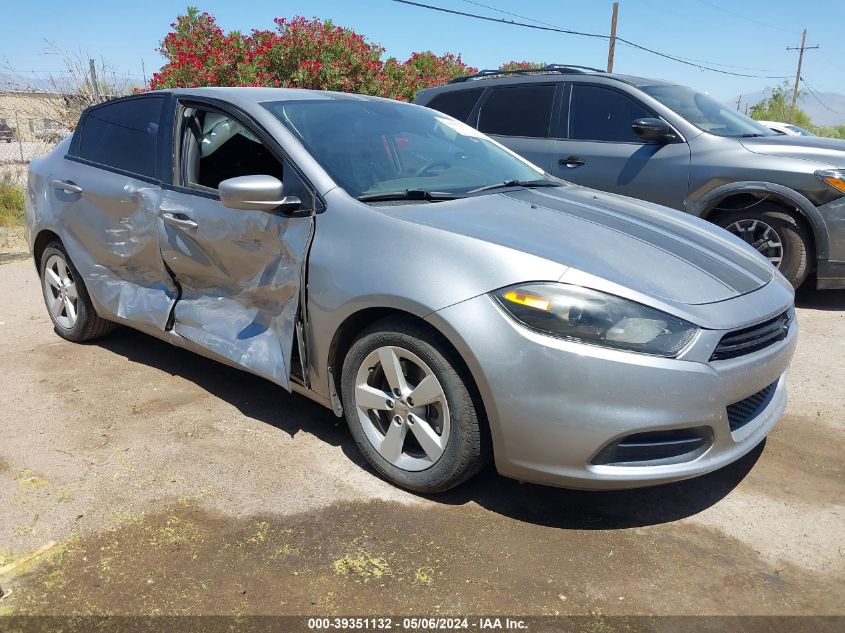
{"x":239,"y":279}
{"x":110,"y":232}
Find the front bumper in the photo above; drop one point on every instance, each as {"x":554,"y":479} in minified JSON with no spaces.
{"x":553,"y":405}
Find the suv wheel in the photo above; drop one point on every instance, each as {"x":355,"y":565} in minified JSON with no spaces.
{"x":408,"y":409}
{"x":68,"y":303}
{"x":778,"y":236}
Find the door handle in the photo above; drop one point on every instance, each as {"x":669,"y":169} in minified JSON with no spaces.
{"x":66,"y":186}
{"x":572,"y":162}
{"x":180,"y":220}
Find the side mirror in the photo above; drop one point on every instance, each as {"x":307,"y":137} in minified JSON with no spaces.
{"x":260,"y":193}
{"x":649,"y":129}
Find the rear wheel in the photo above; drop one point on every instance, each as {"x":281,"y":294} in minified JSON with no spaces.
{"x":66,"y":297}
{"x":409,"y":410}
{"x":778,"y":236}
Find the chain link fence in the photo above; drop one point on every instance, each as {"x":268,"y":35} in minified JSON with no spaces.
{"x":29,"y":126}
{"x":20,"y":148}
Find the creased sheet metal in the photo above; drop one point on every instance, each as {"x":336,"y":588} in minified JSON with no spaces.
{"x":232,"y":284}
{"x":110,"y":231}
{"x":239,"y":277}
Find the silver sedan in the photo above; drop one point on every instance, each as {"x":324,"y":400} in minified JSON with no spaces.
{"x":454,"y":302}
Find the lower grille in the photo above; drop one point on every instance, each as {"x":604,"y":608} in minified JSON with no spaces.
{"x":742,"y":412}
{"x":752,"y":339}
{"x":656,"y":448}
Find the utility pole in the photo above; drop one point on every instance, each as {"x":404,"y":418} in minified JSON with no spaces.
{"x":800,"y":50}
{"x":738,"y":102}
{"x":612,"y":45}
{"x":95,"y":86}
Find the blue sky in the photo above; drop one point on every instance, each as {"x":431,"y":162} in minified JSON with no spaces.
{"x":126,"y":34}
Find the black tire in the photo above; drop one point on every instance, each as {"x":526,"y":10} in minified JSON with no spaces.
{"x":88,"y":324}
{"x":797,"y":243}
{"x":467,"y":448}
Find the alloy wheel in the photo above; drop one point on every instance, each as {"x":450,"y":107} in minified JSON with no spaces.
{"x":60,"y":292}
{"x":761,"y":236}
{"x":402,"y":408}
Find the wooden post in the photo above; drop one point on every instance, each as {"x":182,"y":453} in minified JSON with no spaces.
{"x":612,"y":44}
{"x":95,"y":87}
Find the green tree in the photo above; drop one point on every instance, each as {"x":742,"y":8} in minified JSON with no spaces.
{"x":777,"y":107}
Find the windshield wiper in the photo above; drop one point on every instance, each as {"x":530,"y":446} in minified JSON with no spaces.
{"x":516,"y":183}
{"x":409,"y":194}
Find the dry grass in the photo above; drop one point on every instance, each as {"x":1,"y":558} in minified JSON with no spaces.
{"x":11,"y":200}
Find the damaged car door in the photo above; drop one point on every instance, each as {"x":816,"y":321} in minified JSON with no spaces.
{"x":238,"y":270}
{"x":104,"y":200}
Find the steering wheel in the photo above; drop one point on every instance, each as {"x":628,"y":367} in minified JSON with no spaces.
{"x":423,"y":171}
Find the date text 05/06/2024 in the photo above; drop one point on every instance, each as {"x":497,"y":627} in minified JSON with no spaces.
{"x":417,"y":623}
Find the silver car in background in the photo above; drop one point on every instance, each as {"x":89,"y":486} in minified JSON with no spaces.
{"x":448,"y":297}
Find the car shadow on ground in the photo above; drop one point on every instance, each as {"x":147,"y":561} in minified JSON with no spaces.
{"x":601,"y":510}
{"x":809,"y":298}
{"x":540,"y":505}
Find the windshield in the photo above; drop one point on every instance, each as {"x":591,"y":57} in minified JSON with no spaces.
{"x":379,"y":147}
{"x":705,"y":112}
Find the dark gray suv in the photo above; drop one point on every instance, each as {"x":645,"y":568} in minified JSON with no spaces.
{"x":671,"y":145}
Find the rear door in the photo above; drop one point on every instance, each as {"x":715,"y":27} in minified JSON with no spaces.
{"x":239,"y":272}
{"x":520,"y":118}
{"x":105,"y":199}
{"x":597,"y":148}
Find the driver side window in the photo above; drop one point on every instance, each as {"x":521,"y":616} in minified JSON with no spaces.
{"x":215,"y":147}
{"x":603,"y":114}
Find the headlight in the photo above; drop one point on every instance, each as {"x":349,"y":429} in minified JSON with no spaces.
{"x":833,"y":177}
{"x":588,"y":316}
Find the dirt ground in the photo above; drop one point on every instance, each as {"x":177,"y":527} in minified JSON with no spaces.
{"x":143,"y":479}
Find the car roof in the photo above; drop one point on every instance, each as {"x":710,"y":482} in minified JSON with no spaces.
{"x":257,"y":94}
{"x":545,"y":75}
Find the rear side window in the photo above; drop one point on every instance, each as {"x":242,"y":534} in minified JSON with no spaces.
{"x":456,"y":103}
{"x":123,"y":135}
{"x":518,"y":111}
{"x":602,"y":114}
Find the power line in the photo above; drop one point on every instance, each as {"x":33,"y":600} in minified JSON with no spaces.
{"x":702,"y":61}
{"x":554,"y":29}
{"x":515,"y":15}
{"x":555,"y":26}
{"x":744,"y":17}
{"x":816,"y":97}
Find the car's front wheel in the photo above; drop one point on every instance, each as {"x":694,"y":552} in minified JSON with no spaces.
{"x":66,"y":297}
{"x":780,"y":237}
{"x":409,"y":411}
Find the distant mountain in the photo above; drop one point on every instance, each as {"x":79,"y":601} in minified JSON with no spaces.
{"x":833,"y":114}
{"x":13,"y":82}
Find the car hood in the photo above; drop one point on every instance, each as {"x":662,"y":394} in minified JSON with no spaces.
{"x":829,"y":151}
{"x":649,"y":249}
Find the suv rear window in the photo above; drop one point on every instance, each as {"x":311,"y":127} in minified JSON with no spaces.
{"x":122,"y":135}
{"x":518,"y":111}
{"x":603,"y":114}
{"x":456,"y":103}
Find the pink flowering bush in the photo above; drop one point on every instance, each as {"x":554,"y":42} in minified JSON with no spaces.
{"x":297,"y":53}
